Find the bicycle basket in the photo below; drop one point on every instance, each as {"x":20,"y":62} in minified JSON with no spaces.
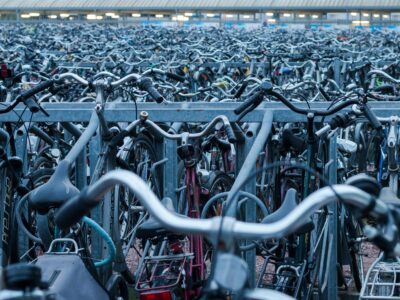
{"x":162,"y":272}
{"x":382,"y":281}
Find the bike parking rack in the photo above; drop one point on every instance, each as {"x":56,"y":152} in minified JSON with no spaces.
{"x":198,"y":112}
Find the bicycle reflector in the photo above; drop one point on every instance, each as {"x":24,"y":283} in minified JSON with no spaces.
{"x":160,"y":295}
{"x":5,"y":72}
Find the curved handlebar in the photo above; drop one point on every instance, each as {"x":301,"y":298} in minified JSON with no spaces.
{"x":92,"y":196}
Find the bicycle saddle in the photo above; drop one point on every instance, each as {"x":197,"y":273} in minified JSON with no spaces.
{"x":151,"y":227}
{"x":389,"y":197}
{"x":288,"y":204}
{"x":55,"y":192}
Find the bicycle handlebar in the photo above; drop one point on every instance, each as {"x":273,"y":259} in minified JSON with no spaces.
{"x":267,"y":89}
{"x":157,"y":130}
{"x":383,"y":74}
{"x":74,"y":209}
{"x":144,"y":83}
{"x":25,"y":97}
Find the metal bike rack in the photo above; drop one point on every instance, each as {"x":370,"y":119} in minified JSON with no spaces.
{"x":194,"y":112}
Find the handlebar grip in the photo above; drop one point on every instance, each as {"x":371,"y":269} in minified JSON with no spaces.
{"x":175,"y":77}
{"x":372,"y":117}
{"x":341,"y":120}
{"x":324,"y":93}
{"x":147,"y":85}
{"x":72,"y":211}
{"x":230,"y":134}
{"x":37,"y":89}
{"x":32,"y":105}
{"x":253,"y":100}
{"x":241,"y":89}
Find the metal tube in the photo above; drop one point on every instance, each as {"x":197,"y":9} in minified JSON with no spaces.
{"x":72,"y":129}
{"x":231,"y":227}
{"x":41,"y":134}
{"x":84,"y":139}
{"x":250,"y":162}
{"x":4,"y":137}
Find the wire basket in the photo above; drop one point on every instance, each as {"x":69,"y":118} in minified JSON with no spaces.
{"x":285,"y":279}
{"x":382,"y":281}
{"x":162,"y":272}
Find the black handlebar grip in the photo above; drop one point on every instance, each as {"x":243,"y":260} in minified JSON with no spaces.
{"x":147,"y":85}
{"x":32,"y":104}
{"x":249,"y":102}
{"x":230,"y":134}
{"x":175,"y":77}
{"x":241,"y":89}
{"x":72,"y":211}
{"x":37,"y":89}
{"x":324,"y":93}
{"x":376,"y":124}
{"x":341,"y":120}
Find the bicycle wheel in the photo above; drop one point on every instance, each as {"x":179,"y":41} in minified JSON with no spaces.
{"x":220,"y":183}
{"x":351,"y":238}
{"x":139,"y":155}
{"x":26,"y":246}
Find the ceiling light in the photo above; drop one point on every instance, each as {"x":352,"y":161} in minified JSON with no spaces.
{"x":361,"y":23}
{"x":64,"y":15}
{"x":181,"y":18}
{"x":385,"y":16}
{"x":314,"y":16}
{"x":271,"y":20}
{"x":286,"y":15}
{"x":188,"y":14}
{"x":25,"y":16}
{"x":91,"y":17}
{"x":269,"y":14}
{"x":99,"y":17}
{"x":115,"y":17}
{"x":52,"y":16}
{"x":136,"y":15}
{"x":160,"y":16}
{"x":376,"y":15}
{"x":210,"y":15}
{"x":302,"y":16}
{"x":34,"y":14}
{"x":110,"y":14}
{"x":246,"y":17}
{"x":354,"y":14}
{"x":229,"y":16}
